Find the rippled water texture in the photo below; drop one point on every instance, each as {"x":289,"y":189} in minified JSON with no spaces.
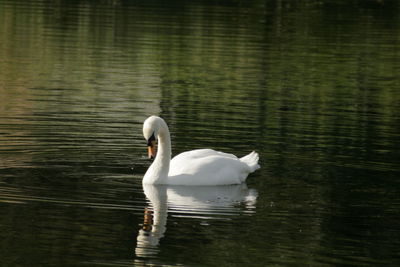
{"x":313,"y":86}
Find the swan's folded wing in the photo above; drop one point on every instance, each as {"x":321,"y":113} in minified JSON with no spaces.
{"x":205,"y":162}
{"x":202,"y":153}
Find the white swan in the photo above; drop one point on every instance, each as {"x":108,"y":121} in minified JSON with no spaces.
{"x":195,"y":167}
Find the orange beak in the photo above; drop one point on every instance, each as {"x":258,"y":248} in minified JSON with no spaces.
{"x":151,"y":149}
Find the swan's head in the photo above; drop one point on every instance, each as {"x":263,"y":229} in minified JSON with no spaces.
{"x":152,"y":127}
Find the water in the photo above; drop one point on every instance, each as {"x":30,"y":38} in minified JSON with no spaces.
{"x":313,"y":86}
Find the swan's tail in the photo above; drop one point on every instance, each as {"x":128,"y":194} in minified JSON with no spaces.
{"x":251,"y":160}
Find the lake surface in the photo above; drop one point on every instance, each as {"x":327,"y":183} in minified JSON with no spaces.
{"x":313,"y":86}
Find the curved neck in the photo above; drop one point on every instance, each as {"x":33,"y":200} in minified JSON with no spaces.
{"x":158,"y":171}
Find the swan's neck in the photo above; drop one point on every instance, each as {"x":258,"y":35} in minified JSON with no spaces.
{"x":158,"y":171}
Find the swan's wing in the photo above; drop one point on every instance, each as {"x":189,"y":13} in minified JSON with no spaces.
{"x":190,"y":162}
{"x":202,"y":153}
{"x":206,"y":167}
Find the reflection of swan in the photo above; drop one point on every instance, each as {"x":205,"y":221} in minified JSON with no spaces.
{"x":154,"y":225}
{"x":197,"y":201}
{"x":196,"y":167}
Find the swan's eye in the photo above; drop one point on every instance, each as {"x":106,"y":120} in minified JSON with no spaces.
{"x":151,"y":139}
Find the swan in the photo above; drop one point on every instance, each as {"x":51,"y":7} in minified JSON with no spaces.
{"x":200,"y":167}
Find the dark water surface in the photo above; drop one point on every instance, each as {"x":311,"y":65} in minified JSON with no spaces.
{"x":313,"y":86}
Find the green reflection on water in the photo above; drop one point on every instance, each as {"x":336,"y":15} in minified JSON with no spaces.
{"x":312,"y":85}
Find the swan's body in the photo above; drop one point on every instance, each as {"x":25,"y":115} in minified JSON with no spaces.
{"x":196,"y":167}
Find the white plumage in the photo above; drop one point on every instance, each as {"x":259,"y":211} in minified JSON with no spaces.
{"x":195,"y":167}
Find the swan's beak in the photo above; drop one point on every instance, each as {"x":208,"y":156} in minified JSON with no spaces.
{"x":151,"y":149}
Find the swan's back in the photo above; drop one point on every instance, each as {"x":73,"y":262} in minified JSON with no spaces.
{"x":210,"y":167}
